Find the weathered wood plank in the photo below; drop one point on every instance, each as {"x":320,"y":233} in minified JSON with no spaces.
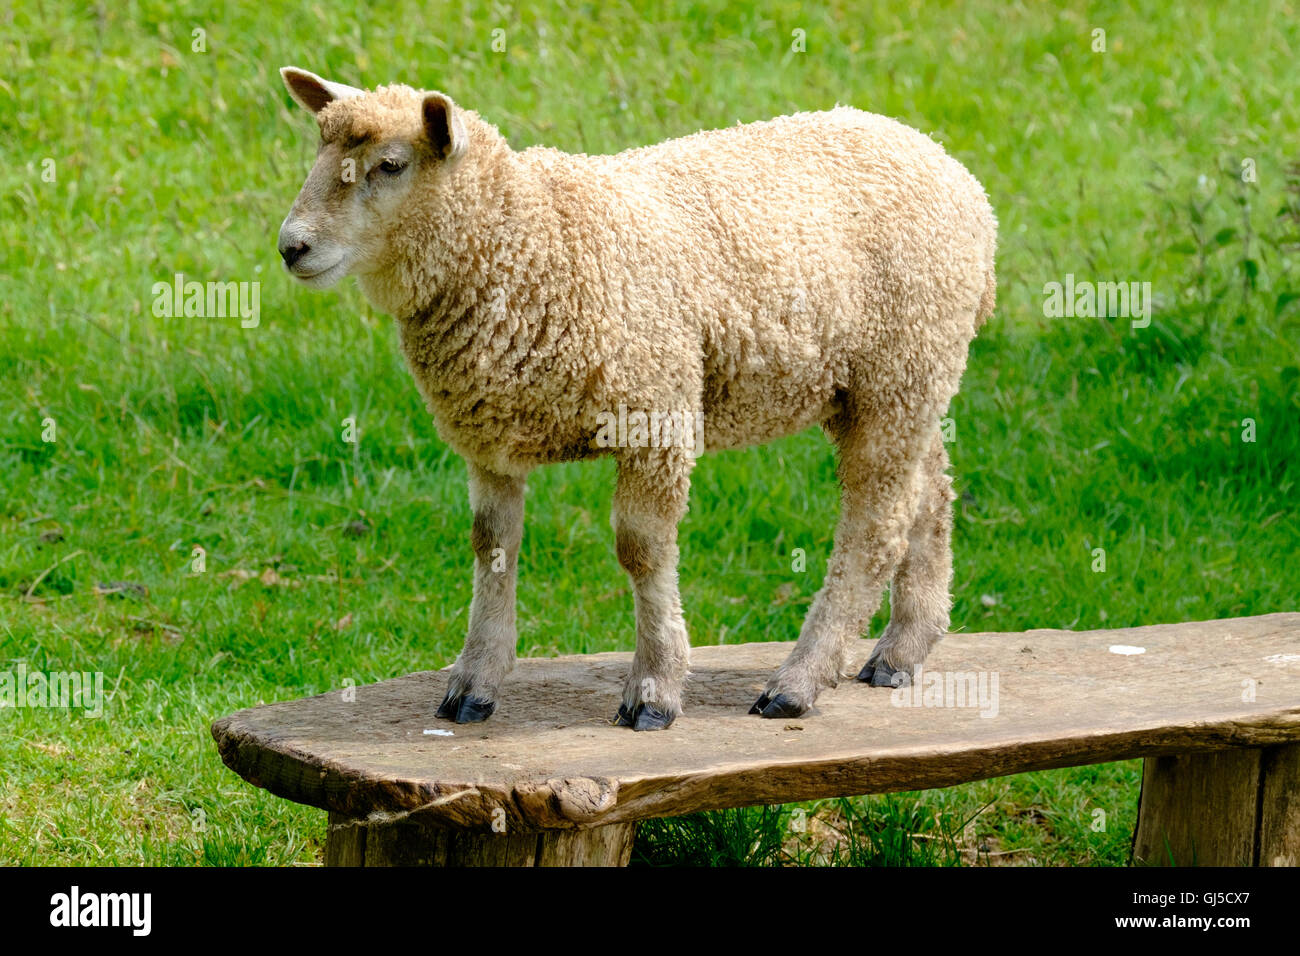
{"x":549,"y":758}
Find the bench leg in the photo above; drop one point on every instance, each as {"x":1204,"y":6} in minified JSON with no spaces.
{"x":412,"y":843}
{"x":1228,"y":808}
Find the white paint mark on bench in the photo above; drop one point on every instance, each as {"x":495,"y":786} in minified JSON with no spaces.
{"x":1282,"y":660}
{"x":439,"y":733}
{"x":1126,"y":649}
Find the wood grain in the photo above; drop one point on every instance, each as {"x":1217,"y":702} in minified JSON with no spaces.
{"x":1198,"y":809}
{"x":549,"y":758}
{"x":1279,"y":825}
{"x":413,"y":842}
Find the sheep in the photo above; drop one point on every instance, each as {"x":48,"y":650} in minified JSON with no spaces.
{"x":729,"y":287}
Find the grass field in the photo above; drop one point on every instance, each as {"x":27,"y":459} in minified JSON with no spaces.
{"x":128,"y":440}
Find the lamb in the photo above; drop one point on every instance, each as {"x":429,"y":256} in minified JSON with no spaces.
{"x":823,"y":268}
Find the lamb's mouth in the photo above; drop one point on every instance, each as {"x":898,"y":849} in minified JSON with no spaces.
{"x":321,"y":278}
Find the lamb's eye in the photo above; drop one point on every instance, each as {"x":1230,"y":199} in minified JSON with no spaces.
{"x":391,"y":166}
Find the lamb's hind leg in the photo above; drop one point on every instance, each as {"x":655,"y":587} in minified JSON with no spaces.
{"x":489,"y":652}
{"x":921,"y":596}
{"x":651,"y":497}
{"x":879,"y":458}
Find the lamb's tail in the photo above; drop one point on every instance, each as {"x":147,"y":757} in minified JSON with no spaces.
{"x":988,"y":300}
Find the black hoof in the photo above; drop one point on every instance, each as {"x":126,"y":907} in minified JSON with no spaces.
{"x":778,"y":706}
{"x":465,"y":709}
{"x":645,"y":717}
{"x":879,"y":674}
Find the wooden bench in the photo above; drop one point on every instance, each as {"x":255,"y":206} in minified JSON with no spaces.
{"x":1214,"y":707}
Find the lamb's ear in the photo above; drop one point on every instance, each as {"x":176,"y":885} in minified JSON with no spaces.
{"x":311,"y":91}
{"x":444,"y":126}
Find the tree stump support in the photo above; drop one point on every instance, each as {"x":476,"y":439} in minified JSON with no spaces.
{"x":1228,"y":808}
{"x":414,"y":843}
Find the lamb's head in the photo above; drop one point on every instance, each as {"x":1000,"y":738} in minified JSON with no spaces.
{"x":376,"y":147}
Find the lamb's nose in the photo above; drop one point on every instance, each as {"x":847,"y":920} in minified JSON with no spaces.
{"x":292,"y":252}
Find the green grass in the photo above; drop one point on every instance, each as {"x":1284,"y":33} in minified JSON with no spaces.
{"x":1072,"y":434}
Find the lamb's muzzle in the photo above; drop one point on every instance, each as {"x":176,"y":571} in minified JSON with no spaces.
{"x":821,"y":268}
{"x":291,"y":251}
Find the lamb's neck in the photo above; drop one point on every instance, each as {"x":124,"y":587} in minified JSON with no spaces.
{"x":462,"y":284}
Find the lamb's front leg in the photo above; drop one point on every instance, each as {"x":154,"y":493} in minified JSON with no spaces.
{"x":489,"y":652}
{"x":651,"y":497}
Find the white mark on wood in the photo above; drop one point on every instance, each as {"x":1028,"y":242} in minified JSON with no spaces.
{"x":439,"y":733}
{"x":1126,"y":649}
{"x":1282,"y":660}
